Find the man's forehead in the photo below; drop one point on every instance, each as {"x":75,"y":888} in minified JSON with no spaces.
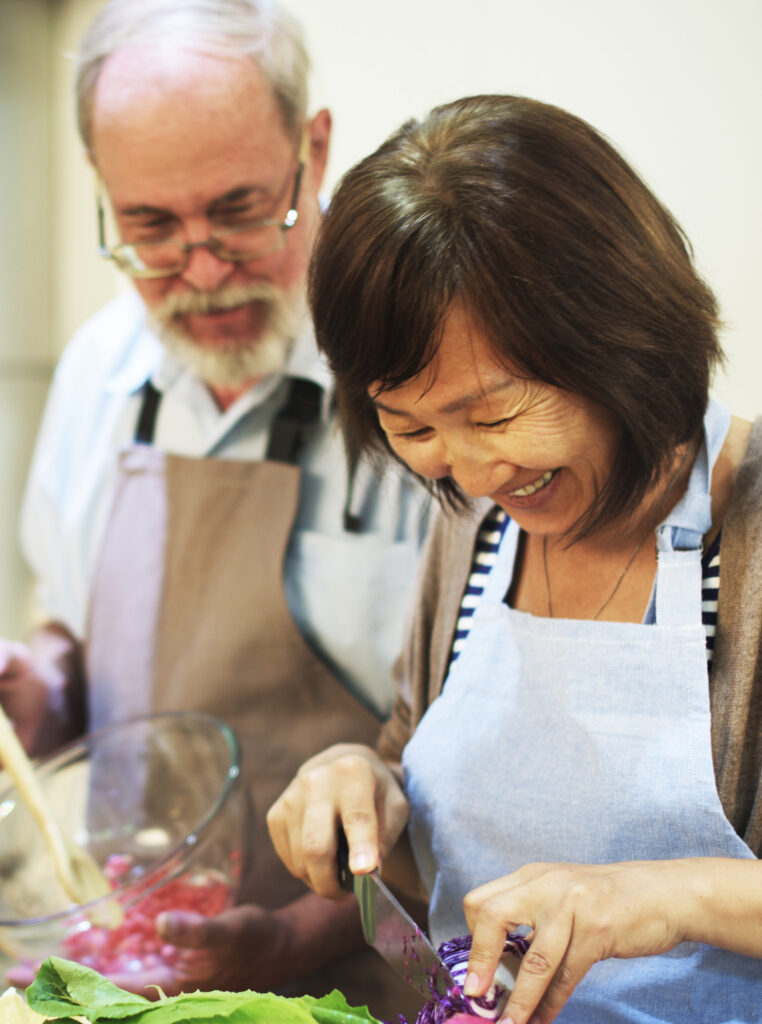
{"x":166,"y":66}
{"x":152,"y":86}
{"x":198,"y":127}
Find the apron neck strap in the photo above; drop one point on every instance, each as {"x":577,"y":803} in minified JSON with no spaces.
{"x":679,"y":538}
{"x":149,"y":410}
{"x":290,"y":431}
{"x":295,"y":422}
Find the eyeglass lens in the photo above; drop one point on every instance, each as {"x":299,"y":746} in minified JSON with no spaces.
{"x":171,"y":257}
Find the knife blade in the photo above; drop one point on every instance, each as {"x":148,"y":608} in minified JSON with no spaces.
{"x":393,"y":933}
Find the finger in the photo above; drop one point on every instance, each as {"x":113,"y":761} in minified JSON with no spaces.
{"x":187,"y":929}
{"x":148,"y":982}
{"x":195,"y":969}
{"x":277,"y":825}
{"x":9,"y":667}
{"x":543,"y":965}
{"x":360,"y":792}
{"x":393,"y":815}
{"x":320,"y":848}
{"x":557,"y":994}
{"x":574,"y":965}
{"x":487,"y":947}
{"x":20,"y":975}
{"x":489,"y":916}
{"x":284,"y":822}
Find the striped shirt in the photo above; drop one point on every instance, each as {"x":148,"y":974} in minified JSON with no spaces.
{"x":485,"y":555}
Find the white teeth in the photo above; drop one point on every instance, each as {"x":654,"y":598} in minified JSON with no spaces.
{"x":524,"y":492}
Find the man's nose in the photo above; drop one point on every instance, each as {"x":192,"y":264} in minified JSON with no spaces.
{"x":205,"y":271}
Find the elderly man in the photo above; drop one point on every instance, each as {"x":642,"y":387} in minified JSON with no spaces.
{"x":202,"y":537}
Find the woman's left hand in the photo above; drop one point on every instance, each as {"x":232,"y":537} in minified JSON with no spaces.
{"x":579,"y":914}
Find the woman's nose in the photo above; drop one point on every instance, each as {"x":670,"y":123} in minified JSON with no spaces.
{"x":475,"y":476}
{"x":476,"y":469}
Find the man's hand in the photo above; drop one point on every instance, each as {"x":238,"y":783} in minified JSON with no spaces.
{"x":347,"y":784}
{"x":42,"y":688}
{"x":231,"y":951}
{"x":244,"y":948}
{"x":24,"y":690}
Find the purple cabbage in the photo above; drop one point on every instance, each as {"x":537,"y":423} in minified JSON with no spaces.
{"x":454,"y":954}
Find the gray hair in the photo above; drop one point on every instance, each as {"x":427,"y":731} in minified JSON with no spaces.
{"x":259,"y":28}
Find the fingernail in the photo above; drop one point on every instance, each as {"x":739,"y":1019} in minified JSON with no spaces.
{"x":471,"y":984}
{"x":359,"y":862}
{"x":163,"y":924}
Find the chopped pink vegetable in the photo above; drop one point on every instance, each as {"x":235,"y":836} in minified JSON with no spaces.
{"x":135,"y":944}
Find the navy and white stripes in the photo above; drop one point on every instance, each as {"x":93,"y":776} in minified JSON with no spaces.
{"x":485,"y":554}
{"x":710,"y":590}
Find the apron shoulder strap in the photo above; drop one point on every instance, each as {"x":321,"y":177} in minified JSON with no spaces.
{"x":295,"y":421}
{"x":290,"y":431}
{"x":149,"y":409}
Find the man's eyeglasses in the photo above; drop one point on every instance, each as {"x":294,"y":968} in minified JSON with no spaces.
{"x":249,"y":241}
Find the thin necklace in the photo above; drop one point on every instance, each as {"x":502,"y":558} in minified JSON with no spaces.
{"x":633,"y":556}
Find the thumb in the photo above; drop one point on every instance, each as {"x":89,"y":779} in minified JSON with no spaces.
{"x":6,"y":656}
{"x":12,"y":657}
{"x":184,"y":928}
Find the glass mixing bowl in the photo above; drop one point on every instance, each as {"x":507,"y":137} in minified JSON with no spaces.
{"x":158,"y":802}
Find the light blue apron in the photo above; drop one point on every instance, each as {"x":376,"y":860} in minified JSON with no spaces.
{"x":566,"y":740}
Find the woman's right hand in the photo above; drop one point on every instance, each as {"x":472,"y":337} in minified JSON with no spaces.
{"x":347,"y":785}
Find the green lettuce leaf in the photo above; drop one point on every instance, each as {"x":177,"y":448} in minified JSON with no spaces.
{"x":64,"y":989}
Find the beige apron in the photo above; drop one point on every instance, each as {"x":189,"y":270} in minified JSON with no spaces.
{"x":189,"y":612}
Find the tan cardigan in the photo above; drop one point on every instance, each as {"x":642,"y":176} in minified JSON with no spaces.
{"x":736,"y":676}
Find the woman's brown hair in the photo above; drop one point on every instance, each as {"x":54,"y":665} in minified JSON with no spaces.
{"x":558,"y":251}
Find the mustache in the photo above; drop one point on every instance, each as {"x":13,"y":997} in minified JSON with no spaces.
{"x":184,"y":303}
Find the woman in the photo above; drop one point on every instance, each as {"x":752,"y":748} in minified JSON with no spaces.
{"x":510,"y":311}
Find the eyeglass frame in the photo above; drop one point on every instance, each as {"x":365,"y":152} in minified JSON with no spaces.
{"x":185,"y":248}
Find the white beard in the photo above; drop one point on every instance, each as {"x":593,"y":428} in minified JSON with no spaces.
{"x":233,"y":364}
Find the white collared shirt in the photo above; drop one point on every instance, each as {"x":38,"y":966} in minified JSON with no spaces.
{"x":348,"y":593}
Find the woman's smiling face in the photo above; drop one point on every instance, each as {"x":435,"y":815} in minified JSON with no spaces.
{"x":541,"y":453}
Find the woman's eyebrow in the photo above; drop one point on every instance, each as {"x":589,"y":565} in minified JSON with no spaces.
{"x":459,"y":403}
{"x":385,"y":408}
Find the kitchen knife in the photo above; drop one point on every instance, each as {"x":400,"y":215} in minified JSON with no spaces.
{"x":392,"y":931}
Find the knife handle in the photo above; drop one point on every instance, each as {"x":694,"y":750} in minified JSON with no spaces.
{"x":342,"y":859}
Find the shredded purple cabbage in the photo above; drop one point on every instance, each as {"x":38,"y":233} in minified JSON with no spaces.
{"x":454,"y":954}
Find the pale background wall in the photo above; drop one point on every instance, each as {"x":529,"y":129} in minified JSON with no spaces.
{"x":676,"y":86}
